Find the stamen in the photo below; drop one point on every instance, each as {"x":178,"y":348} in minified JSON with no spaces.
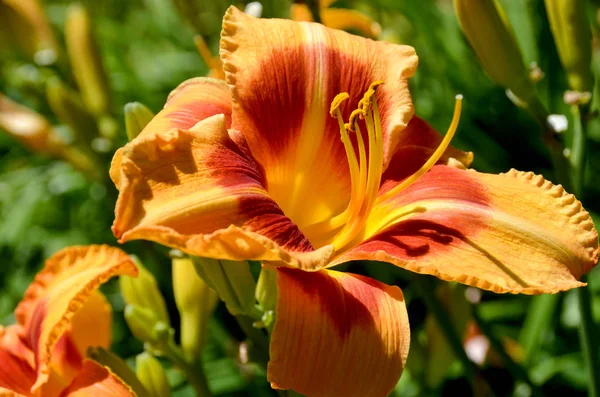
{"x":434,"y":157}
{"x":369,"y":95}
{"x":352,"y":121}
{"x":337,"y":102}
{"x":365,"y":173}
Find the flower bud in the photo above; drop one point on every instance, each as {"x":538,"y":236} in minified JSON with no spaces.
{"x":25,"y":125}
{"x":266,"y":289}
{"x":492,"y":39}
{"x":196,"y":303}
{"x":573,"y":37}
{"x":137,"y":116}
{"x":233,"y":283}
{"x":143,"y":292}
{"x":66,"y":105}
{"x":24,"y":23}
{"x":86,"y":61}
{"x":146,"y":327}
{"x":152,"y":375}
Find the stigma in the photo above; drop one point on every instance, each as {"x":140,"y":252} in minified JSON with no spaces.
{"x":366,"y":166}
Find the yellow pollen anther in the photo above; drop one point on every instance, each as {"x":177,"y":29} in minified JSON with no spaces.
{"x":352,"y":121}
{"x":368,"y":97}
{"x":337,"y":102}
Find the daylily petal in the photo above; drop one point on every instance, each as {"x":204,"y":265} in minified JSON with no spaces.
{"x":420,"y":138}
{"x":96,"y":380}
{"x":192,"y":101}
{"x":200,"y":191}
{"x":335,"y":333}
{"x":284,"y":76}
{"x":514,"y":232}
{"x":91,"y":325}
{"x":57,"y":293}
{"x":17,"y":374}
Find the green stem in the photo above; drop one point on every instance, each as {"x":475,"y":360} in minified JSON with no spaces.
{"x":589,"y":341}
{"x":578,"y":154}
{"x":540,"y":313}
{"x":515,"y":369}
{"x":427,"y":292}
{"x":560,"y":163}
{"x":259,"y":340}
{"x":587,"y":328}
{"x":192,"y":371}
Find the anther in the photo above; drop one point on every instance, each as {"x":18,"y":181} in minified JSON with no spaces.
{"x":368,"y":97}
{"x":337,"y":102}
{"x":352,"y":120}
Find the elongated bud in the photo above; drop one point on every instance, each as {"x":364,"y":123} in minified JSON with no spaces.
{"x":118,"y":367}
{"x":492,"y":39}
{"x":23,"y":22}
{"x":35,"y":132}
{"x":152,"y":375}
{"x":196,"y":302}
{"x":144,"y":293}
{"x":24,"y":124}
{"x":86,"y":61}
{"x":66,"y":105}
{"x":573,"y":37}
{"x":137,"y":116}
{"x":233,"y":283}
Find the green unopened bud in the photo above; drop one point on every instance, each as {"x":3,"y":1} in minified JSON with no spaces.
{"x":196,"y":302}
{"x":573,"y":37}
{"x":143,"y":292}
{"x":146,"y":327}
{"x":266,"y":289}
{"x":152,"y":375}
{"x":137,"y":116}
{"x":233,"y":283}
{"x":492,"y":39}
{"x":86,"y":61}
{"x":66,"y":105}
{"x":118,"y":367}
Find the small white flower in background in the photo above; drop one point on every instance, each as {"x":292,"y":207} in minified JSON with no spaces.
{"x":254,"y":9}
{"x":558,"y":122}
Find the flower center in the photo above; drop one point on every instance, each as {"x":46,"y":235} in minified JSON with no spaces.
{"x":366,"y":171}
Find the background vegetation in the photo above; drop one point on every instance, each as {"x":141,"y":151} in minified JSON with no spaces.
{"x":146,"y":48}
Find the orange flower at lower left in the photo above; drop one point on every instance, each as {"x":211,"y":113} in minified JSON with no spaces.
{"x":61,"y":315}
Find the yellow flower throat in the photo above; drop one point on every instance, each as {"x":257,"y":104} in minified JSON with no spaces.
{"x":366,"y":171}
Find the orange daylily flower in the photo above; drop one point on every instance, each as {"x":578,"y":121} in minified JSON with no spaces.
{"x":254,"y":168}
{"x":61,"y":315}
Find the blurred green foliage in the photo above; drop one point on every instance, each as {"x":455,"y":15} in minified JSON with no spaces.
{"x":147,"y":49}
